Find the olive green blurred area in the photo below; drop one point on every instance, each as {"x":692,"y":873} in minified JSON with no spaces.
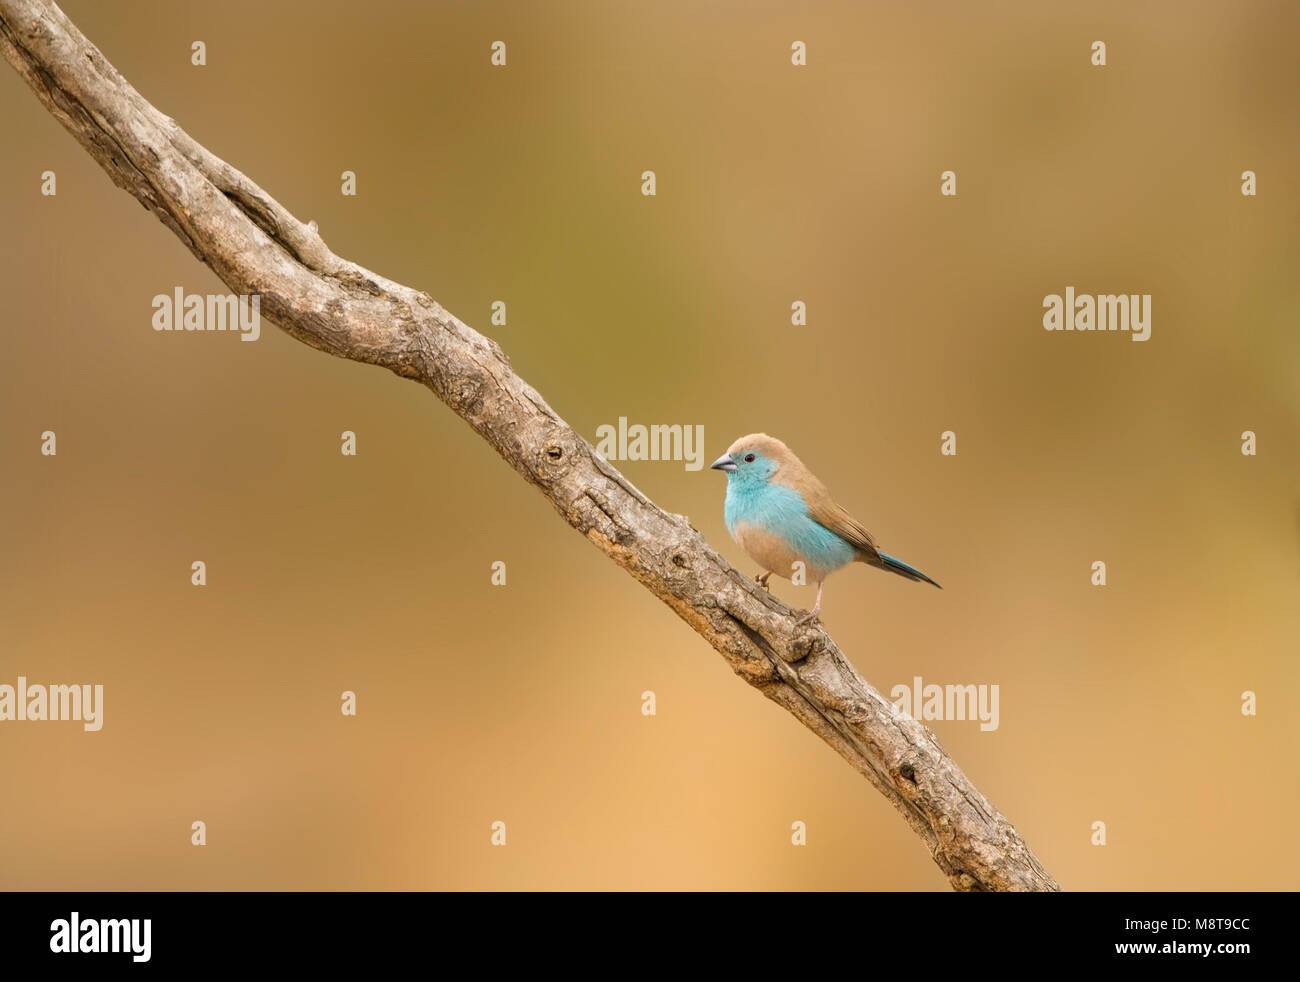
{"x":522,"y":703}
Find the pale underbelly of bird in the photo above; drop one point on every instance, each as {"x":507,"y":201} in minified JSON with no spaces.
{"x":777,"y":553}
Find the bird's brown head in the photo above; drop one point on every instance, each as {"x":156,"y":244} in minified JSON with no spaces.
{"x":756,"y":457}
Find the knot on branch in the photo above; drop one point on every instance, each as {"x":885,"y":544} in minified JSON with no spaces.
{"x":908,"y":770}
{"x":465,"y":395}
{"x":678,"y":572}
{"x":803,"y":643}
{"x":857,"y":714}
{"x":556,"y":455}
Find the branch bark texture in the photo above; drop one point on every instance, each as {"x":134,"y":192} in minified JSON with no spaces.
{"x":256,"y":247}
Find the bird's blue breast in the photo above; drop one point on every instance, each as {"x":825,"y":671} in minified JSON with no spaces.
{"x":781,"y":511}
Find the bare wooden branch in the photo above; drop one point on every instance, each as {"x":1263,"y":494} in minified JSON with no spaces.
{"x":256,"y":247}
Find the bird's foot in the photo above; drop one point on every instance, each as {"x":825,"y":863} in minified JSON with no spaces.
{"x":808,"y":617}
{"x":761,"y":580}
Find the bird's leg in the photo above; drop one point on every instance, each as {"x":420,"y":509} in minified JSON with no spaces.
{"x":811,"y":616}
{"x":761,"y":580}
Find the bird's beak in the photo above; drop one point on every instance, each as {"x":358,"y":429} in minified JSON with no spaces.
{"x":723,"y":463}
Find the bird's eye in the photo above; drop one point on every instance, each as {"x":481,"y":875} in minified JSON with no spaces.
{"x":749,"y":458}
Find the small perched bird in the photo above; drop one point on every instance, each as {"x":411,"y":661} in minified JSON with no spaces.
{"x":780,"y":514}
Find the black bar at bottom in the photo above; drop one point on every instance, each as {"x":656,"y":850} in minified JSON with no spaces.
{"x":862,"y":933}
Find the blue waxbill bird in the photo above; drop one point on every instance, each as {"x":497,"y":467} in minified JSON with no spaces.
{"x":780,"y":514}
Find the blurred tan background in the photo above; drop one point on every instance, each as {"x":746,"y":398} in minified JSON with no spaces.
{"x":522,"y":704}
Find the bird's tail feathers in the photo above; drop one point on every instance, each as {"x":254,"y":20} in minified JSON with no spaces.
{"x":902,"y":569}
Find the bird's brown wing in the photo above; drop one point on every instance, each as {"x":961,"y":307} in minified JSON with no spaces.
{"x":822,"y":507}
{"x":826,"y":512}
